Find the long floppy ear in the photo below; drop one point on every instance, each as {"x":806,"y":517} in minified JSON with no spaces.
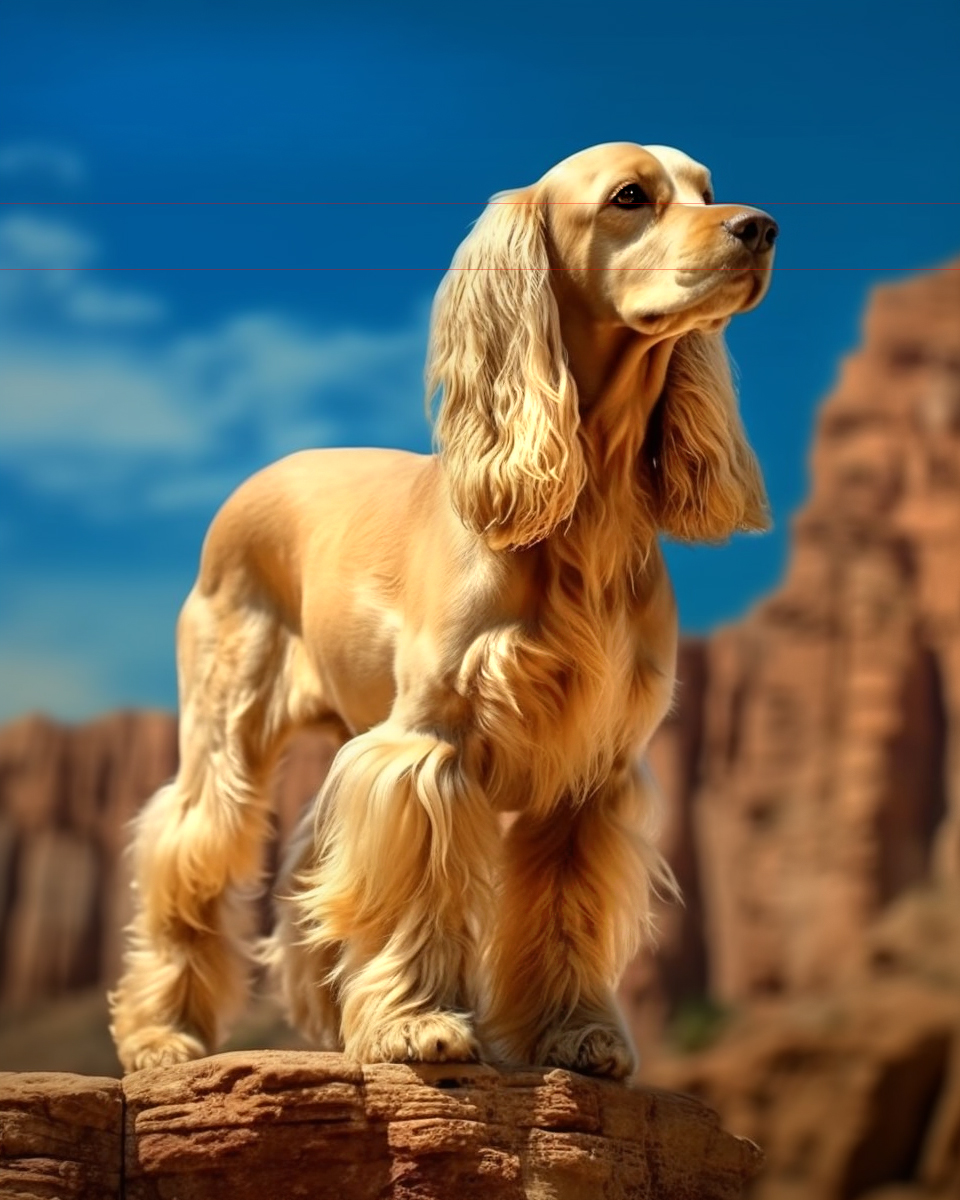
{"x":706,"y":477}
{"x":507,"y":425}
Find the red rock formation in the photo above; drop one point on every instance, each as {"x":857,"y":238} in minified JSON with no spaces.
{"x":655,"y":983}
{"x":62,"y":1137}
{"x":831,"y":761}
{"x":828,"y":813}
{"x":68,"y":793}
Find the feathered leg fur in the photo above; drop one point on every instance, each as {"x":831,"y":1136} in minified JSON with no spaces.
{"x":576,"y":899}
{"x":185,"y":967}
{"x":393,"y":903}
{"x":197,"y":847}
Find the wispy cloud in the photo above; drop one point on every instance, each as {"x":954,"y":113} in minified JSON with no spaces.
{"x":94,"y":304}
{"x":28,"y":240}
{"x":115,"y":426}
{"x":42,"y":160}
{"x":108,"y":421}
{"x":42,"y":280}
{"x":62,"y":682}
{"x":86,"y":401}
{"x":98,"y":413}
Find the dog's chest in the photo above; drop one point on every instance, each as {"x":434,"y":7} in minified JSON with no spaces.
{"x":620,"y":688}
{"x":557,"y":705}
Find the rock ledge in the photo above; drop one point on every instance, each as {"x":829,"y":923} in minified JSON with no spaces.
{"x":299,"y":1124}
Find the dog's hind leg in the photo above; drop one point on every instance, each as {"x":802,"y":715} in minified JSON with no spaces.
{"x":302,"y":970}
{"x":197,"y":849}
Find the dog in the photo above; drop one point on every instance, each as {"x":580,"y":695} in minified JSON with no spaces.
{"x":490,"y":630}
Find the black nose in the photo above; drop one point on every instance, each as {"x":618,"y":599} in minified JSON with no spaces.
{"x":755,"y":229}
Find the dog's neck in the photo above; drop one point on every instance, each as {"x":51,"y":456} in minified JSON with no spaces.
{"x":620,"y":375}
{"x":594,"y":567}
{"x":615,"y":367}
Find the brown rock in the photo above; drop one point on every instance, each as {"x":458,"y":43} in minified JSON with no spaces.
{"x":297,"y":1123}
{"x":301,"y":1124}
{"x":655,"y":982}
{"x":828,"y":810}
{"x":66,"y":795}
{"x":60,"y":1137}
{"x":54,"y":932}
{"x":839,"y":1091}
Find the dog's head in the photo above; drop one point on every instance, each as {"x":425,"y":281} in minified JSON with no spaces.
{"x":619,"y":239}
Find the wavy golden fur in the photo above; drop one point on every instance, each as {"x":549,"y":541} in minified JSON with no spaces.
{"x":490,"y":630}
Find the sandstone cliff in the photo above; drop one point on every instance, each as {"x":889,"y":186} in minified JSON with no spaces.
{"x":67,"y":795}
{"x":852,"y":1091}
{"x":830,"y":768}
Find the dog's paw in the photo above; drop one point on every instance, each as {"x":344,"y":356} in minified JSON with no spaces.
{"x":158,"y":1047}
{"x":427,"y":1037}
{"x":595,"y":1048}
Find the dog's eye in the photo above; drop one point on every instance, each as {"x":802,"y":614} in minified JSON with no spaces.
{"x":708,"y":197}
{"x":631,"y":196}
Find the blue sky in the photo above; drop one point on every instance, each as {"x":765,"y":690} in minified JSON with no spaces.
{"x":242,"y":212}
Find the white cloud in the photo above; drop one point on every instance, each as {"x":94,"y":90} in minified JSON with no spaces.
{"x":276,"y":376}
{"x":88,"y":402}
{"x":42,"y":159}
{"x":107,"y":418}
{"x":260,"y":354}
{"x":93,"y":411}
{"x":65,"y":685}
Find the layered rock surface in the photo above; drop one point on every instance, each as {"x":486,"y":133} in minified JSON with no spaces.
{"x":61,"y":1137}
{"x":301,"y":1124}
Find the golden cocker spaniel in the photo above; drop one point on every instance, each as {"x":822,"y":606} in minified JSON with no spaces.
{"x":490,"y":629}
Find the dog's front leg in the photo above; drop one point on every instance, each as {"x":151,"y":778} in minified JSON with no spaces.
{"x":576,"y":898}
{"x":399,"y":884}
